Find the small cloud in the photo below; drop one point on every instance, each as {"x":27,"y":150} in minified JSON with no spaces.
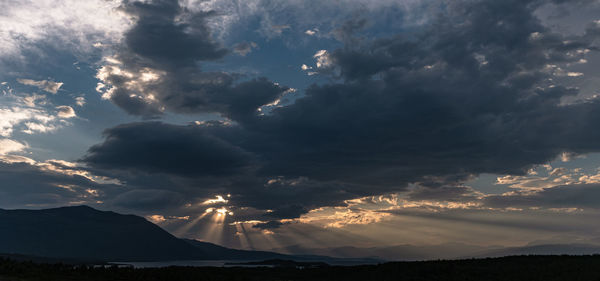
{"x":244,"y":48}
{"x":574,"y":74}
{"x":311,"y":32}
{"x":323,"y":59}
{"x":323,"y":63}
{"x":160,"y":218}
{"x":270,"y":224}
{"x":320,"y":53}
{"x":156,"y":218}
{"x":535,"y":36}
{"x":46,"y":85}
{"x":218,"y":199}
{"x":80,"y":101}
{"x":567,"y":156}
{"x":65,"y":111}
{"x":307,"y":68}
{"x":278,"y":29}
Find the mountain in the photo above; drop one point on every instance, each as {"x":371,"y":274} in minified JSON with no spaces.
{"x":216,"y":252}
{"x":222,"y":253}
{"x":442,"y":251}
{"x":392,"y":253}
{"x":85,"y":233}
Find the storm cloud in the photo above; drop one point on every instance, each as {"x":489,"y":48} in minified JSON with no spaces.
{"x":563,"y":196}
{"x":476,"y":91}
{"x":157,"y":147}
{"x":157,"y":69}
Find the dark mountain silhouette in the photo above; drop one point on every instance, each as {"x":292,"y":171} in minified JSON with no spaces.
{"x":404,"y":252}
{"x":442,"y":251}
{"x":83,"y":232}
{"x":223,"y":253}
{"x":209,"y":249}
{"x":86,"y":233}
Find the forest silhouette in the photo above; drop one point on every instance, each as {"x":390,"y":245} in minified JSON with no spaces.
{"x":513,"y":268}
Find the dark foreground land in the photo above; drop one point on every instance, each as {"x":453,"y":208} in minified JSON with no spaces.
{"x":508,"y":268}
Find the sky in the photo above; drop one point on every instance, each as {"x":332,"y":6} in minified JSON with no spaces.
{"x":260,"y":124}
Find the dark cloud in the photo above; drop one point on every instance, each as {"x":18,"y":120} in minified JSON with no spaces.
{"x":156,"y":69}
{"x":347,"y":31}
{"x":48,"y":184}
{"x":244,"y":48}
{"x":472,"y":93}
{"x":148,"y":199}
{"x":564,"y":196}
{"x":451,"y":193}
{"x":269,"y":225}
{"x":160,"y":148}
{"x":161,"y":38}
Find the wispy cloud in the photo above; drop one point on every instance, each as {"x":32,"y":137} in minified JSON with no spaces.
{"x":30,"y":120}
{"x":30,"y":114}
{"x":68,"y":24}
{"x":9,"y":146}
{"x":46,"y":85}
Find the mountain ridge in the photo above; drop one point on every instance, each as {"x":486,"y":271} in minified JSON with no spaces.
{"x":87,"y":234}
{"x":82,"y":232}
{"x":447,"y":251}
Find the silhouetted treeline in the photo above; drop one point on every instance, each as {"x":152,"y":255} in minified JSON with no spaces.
{"x":528,"y":268}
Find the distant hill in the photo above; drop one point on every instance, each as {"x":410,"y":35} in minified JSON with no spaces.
{"x":546,"y":249}
{"x":222,"y":253}
{"x":217,"y":252}
{"x":442,"y":251}
{"x":392,"y":253}
{"x":86,"y":233}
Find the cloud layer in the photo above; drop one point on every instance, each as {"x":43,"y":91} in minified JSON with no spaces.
{"x":27,"y":25}
{"x":474,"y":91}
